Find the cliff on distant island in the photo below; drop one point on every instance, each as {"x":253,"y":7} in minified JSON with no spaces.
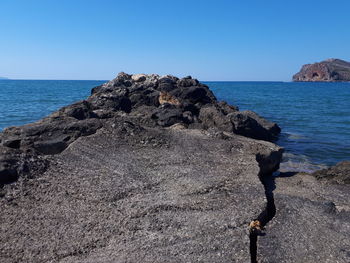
{"x":156,"y":169}
{"x":330,"y":70}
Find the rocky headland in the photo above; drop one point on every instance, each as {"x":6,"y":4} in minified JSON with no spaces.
{"x":330,"y":70}
{"x":156,"y":169}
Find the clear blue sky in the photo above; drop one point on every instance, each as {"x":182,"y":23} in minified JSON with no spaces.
{"x":210,"y":40}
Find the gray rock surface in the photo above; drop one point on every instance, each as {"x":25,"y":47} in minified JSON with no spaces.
{"x":136,"y":194}
{"x":311,"y":223}
{"x":339,"y":173}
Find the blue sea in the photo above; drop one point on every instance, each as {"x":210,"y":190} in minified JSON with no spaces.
{"x":314,"y":117}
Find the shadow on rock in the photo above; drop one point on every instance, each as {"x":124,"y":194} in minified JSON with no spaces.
{"x":257,"y":226}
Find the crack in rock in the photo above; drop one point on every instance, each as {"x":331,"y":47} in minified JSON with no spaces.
{"x":257,"y":226}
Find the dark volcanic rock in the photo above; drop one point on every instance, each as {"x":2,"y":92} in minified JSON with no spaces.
{"x":339,"y":173}
{"x":328,"y":70}
{"x":8,"y":166}
{"x":167,"y":115}
{"x":212,"y":116}
{"x":14,"y":162}
{"x":80,"y":110}
{"x":250,"y":124}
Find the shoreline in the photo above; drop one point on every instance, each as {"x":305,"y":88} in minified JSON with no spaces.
{"x":314,"y":158}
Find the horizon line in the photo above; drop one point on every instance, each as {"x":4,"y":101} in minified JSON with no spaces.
{"x":111,"y":79}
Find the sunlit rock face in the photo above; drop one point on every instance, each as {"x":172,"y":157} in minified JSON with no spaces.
{"x":328,"y":71}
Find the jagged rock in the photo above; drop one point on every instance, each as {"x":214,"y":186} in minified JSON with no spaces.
{"x":14,"y":163}
{"x":12,"y":142}
{"x":271,"y":128}
{"x":227,"y":108}
{"x":187,"y":82}
{"x":138,"y":77}
{"x":211,"y":116}
{"x":188,"y":95}
{"x":49,"y":136}
{"x":52,"y":146}
{"x":328,"y":71}
{"x":80,"y":110}
{"x":195,"y":94}
{"x":339,"y":173}
{"x":103,"y":114}
{"x":8,"y":168}
{"x":188,"y":117}
{"x":167,"y":115}
{"x":147,"y":97}
{"x":113,"y":101}
{"x":167,"y":83}
{"x":250,"y":124}
{"x":165,"y":97}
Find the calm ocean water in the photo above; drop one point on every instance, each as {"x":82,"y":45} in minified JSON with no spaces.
{"x":314,"y":117}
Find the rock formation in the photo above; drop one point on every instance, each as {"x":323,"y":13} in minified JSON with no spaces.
{"x":340,"y":173}
{"x":311,"y":223}
{"x":155,"y":169}
{"x":149,"y":100}
{"x":328,"y":71}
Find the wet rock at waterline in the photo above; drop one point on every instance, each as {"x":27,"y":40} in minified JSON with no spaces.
{"x":339,"y":173}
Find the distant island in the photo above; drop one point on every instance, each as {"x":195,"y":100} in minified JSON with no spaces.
{"x":3,"y":78}
{"x":330,"y":70}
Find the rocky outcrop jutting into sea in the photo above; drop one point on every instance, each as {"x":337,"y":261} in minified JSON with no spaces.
{"x":149,"y":100}
{"x":155,"y":169}
{"x":328,"y":71}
